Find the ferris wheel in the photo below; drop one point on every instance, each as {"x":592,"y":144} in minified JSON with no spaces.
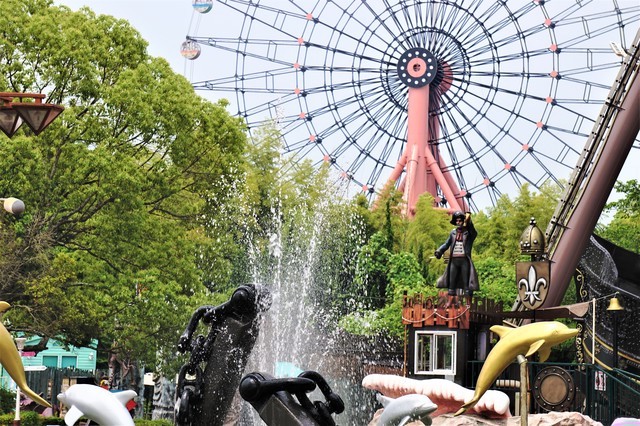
{"x":507,"y":91}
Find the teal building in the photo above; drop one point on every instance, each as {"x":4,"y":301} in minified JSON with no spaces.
{"x":57,"y":355}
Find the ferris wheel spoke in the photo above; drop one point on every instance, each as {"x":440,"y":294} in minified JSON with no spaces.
{"x":623,"y":16}
{"x":376,"y":174}
{"x":337,"y":86}
{"x":509,"y":40}
{"x":346,"y":53}
{"x":375,"y":143}
{"x":349,"y":33}
{"x":565,"y":13}
{"x":542,"y":161}
{"x":505,"y":58}
{"x":503,"y":90}
{"x":566,"y":73}
{"x":468,"y":35}
{"x":495,"y":89}
{"x":519,"y":178}
{"x":450,"y":18}
{"x":230,"y":83}
{"x":455,"y":167}
{"x":277,"y":16}
{"x":389,"y":7}
{"x":554,"y":131}
{"x":501,"y":25}
{"x":588,"y":84}
{"x":464,"y":140}
{"x":468,"y":121}
{"x":270,"y":56}
{"x":381,"y":22}
{"x":508,"y":74}
{"x":360,"y":160}
{"x":494,"y":193}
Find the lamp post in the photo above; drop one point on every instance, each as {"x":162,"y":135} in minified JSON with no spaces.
{"x":29,"y":109}
{"x":20,"y":344}
{"x":615,"y":309}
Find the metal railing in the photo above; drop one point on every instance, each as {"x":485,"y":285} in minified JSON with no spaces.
{"x":603,"y":395}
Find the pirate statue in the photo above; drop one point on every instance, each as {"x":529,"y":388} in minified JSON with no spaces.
{"x":460,"y":272}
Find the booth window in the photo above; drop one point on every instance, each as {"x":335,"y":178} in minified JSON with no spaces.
{"x":435,"y":352}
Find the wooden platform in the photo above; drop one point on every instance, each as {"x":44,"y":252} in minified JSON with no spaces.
{"x":449,"y":311}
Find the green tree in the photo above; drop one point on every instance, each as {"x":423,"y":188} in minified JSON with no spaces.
{"x":116,"y":189}
{"x":624,"y":228}
{"x":497,"y":247}
{"x":406,"y":265}
{"x":403,"y":273}
{"x":425,"y":233}
{"x":372,"y":269}
{"x":500,"y":228}
{"x":497,"y":280}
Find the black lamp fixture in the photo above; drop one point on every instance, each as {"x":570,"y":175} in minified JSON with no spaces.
{"x":28,"y":109}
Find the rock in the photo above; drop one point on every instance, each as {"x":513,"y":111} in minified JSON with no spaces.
{"x":549,"y":419}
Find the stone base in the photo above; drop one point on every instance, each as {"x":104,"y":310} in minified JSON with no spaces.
{"x":548,"y":419}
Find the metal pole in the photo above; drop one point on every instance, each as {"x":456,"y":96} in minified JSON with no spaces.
{"x":593,"y":332}
{"x":524,"y":389}
{"x":20,"y":345}
{"x":615,"y":340}
{"x":16,"y":419}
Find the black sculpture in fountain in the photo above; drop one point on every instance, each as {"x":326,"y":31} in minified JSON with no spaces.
{"x":274,"y":399}
{"x":208,"y":382}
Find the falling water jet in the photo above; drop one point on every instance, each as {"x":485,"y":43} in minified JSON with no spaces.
{"x":297,"y":333}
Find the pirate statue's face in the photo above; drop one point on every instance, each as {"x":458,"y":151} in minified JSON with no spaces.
{"x":459,"y":222}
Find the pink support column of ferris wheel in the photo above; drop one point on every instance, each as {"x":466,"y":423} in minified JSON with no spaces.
{"x":425,"y":170}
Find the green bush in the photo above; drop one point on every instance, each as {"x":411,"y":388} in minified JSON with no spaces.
{"x":30,"y":418}
{"x":52,"y":421}
{"x":7,"y":401}
{"x":27,"y":418}
{"x":142,"y":422}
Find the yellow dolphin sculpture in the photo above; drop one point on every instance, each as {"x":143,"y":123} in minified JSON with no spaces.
{"x":10,"y":360}
{"x":526,"y":340}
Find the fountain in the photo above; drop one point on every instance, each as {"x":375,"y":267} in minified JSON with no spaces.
{"x":298,"y":333}
{"x":301,"y":258}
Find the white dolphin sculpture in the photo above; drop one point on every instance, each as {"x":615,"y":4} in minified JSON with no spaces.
{"x":97,"y":404}
{"x":402,"y":410}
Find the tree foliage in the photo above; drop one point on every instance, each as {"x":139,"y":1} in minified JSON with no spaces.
{"x":408,"y":265}
{"x":116,"y":189}
{"x":624,"y":228}
{"x":501,"y":226}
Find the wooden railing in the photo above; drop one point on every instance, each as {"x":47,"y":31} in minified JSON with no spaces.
{"x":444,"y":310}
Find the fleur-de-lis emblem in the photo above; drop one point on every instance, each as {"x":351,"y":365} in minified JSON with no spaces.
{"x":532,"y":286}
